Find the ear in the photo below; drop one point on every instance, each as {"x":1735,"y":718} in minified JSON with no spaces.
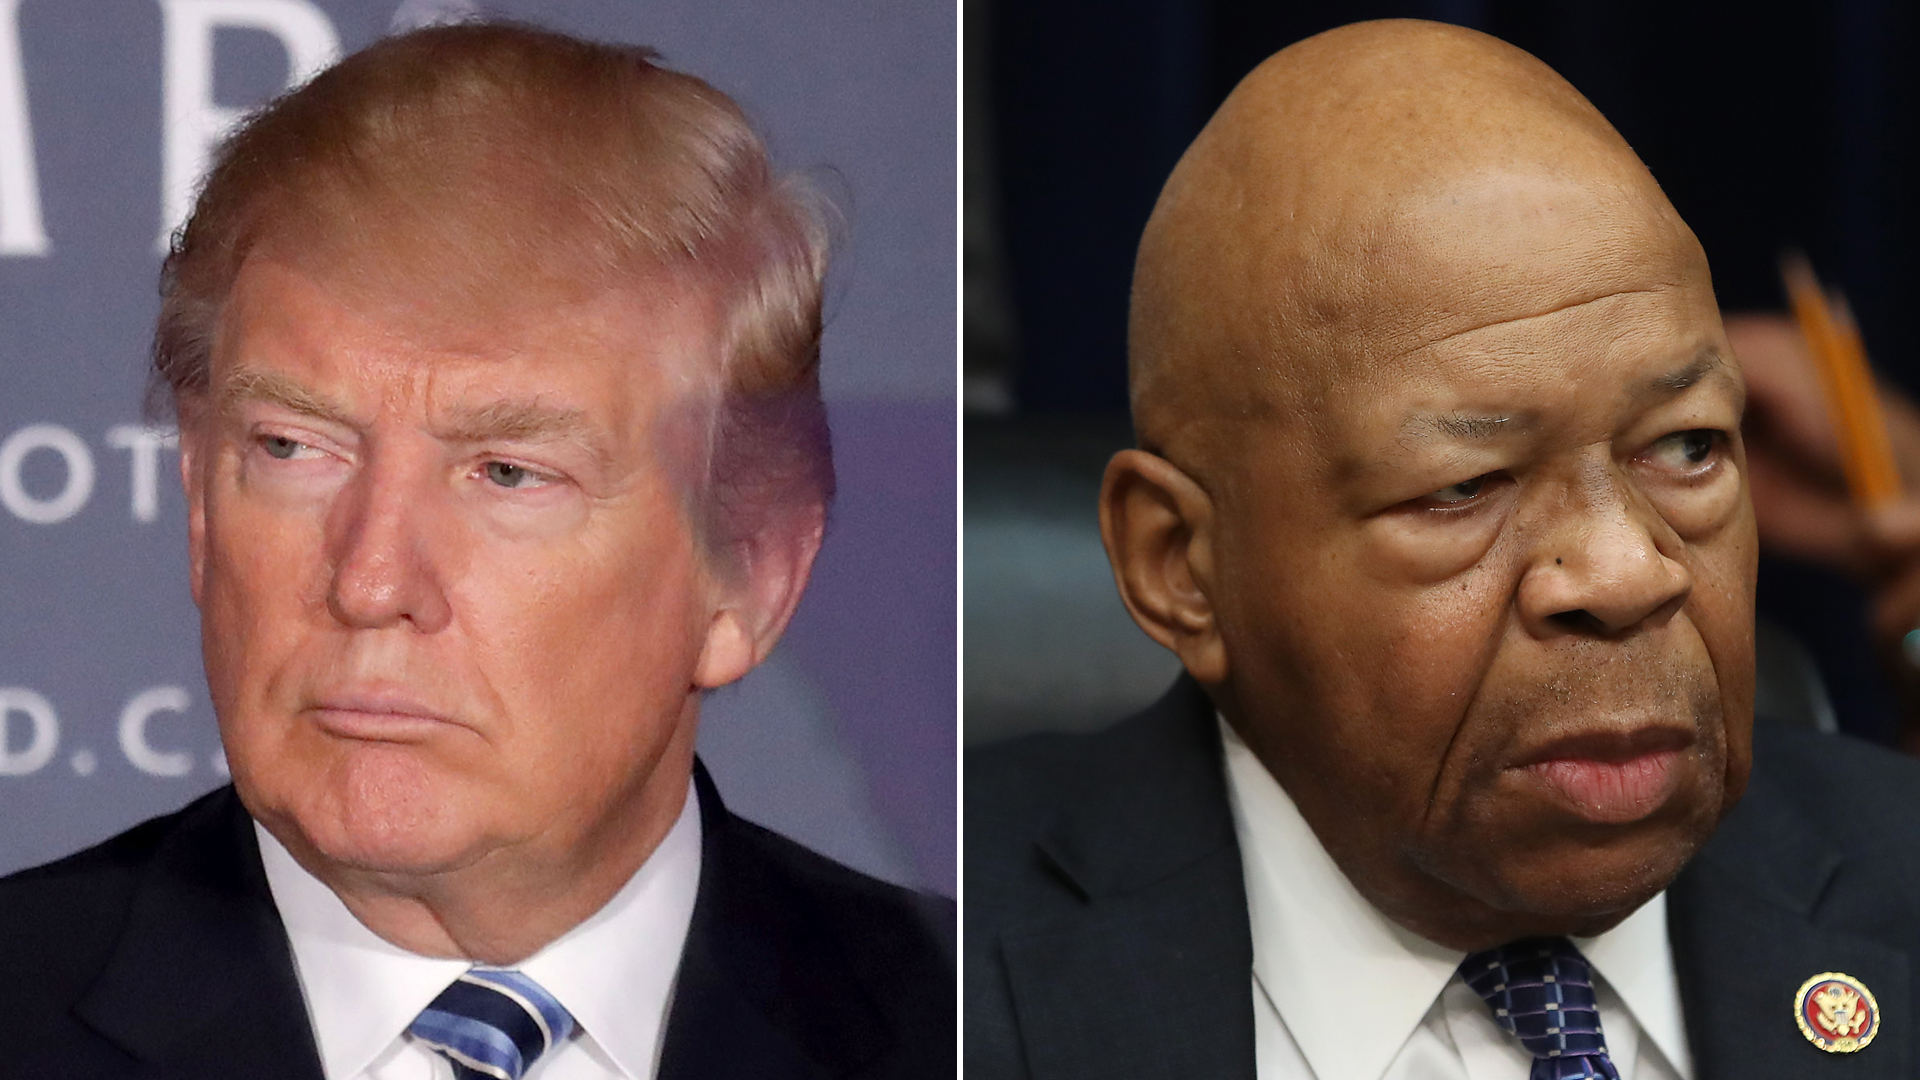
{"x":1157,"y":524}
{"x":758,"y":593}
{"x":195,"y":449}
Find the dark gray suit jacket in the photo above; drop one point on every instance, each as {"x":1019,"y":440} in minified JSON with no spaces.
{"x":1106,"y":932}
{"x":160,"y":954}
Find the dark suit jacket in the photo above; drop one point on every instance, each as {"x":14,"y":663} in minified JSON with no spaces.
{"x":159,"y":954}
{"x":1106,"y":928}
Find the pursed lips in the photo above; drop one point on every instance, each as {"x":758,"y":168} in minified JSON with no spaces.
{"x":378,"y":715}
{"x":1610,"y":777}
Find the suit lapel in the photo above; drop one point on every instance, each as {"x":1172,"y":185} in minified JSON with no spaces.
{"x":742,"y":1001}
{"x":1150,"y":975}
{"x":201,"y":983}
{"x":716,"y":1029}
{"x":1745,"y":920}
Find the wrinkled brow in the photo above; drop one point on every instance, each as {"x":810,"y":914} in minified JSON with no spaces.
{"x":1471,"y":427}
{"x":513,"y":421}
{"x":524,"y":421}
{"x":1704,"y":363}
{"x":510,"y":421}
{"x":1467,"y":426}
{"x":495,"y":421}
{"x":243,"y":385}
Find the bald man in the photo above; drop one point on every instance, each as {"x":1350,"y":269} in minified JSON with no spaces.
{"x":1440,"y":499}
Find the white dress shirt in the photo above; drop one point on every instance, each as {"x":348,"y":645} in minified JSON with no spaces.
{"x":613,"y":972}
{"x":1340,"y":992}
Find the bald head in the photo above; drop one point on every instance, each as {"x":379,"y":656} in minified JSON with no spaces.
{"x":1440,"y":491}
{"x":1331,"y":209}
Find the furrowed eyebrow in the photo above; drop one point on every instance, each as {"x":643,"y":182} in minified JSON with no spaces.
{"x":1464,"y":425}
{"x":1708,"y":360}
{"x":523,"y":421}
{"x":513,"y":421}
{"x":495,"y":422}
{"x":243,"y":385}
{"x":1472,"y":427}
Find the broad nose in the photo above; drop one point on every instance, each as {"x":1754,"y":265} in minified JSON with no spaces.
{"x":1604,"y":566}
{"x":386,"y":549}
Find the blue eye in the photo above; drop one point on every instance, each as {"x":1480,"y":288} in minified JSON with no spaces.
{"x":278,"y":447}
{"x":507,"y":475}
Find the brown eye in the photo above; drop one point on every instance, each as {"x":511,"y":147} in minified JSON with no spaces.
{"x":1686,"y":451}
{"x":1460,"y":492}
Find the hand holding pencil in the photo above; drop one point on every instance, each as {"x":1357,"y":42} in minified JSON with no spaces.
{"x":1826,"y":450}
{"x":1859,"y":421}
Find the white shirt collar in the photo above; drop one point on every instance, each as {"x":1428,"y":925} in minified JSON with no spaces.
{"x":1307,"y":917}
{"x":1636,"y":959}
{"x":614,"y":972}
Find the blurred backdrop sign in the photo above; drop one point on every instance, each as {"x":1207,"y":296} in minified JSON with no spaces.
{"x":109,"y":112}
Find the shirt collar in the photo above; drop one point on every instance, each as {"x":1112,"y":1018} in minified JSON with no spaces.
{"x":1636,"y":959}
{"x":614,"y":972}
{"x":1307,"y":917}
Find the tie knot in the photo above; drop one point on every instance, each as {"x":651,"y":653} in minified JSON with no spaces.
{"x":492,"y":1022}
{"x":1541,"y":992}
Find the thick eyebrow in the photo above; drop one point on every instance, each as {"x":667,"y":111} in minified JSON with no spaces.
{"x":513,"y":421}
{"x":496,"y":421}
{"x":523,"y":421}
{"x":243,"y":385}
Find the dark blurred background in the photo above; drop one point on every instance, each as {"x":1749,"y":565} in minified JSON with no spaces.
{"x":1768,"y":129}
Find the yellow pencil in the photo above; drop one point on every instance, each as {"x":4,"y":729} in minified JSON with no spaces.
{"x":1860,"y":423}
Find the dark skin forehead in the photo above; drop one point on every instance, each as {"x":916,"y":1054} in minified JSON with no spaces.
{"x":1329,"y":221}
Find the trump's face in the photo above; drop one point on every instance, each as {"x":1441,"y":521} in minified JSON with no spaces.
{"x":451,"y":605}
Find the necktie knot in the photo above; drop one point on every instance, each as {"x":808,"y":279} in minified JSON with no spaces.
{"x":1541,"y":991}
{"x":492,"y":1023}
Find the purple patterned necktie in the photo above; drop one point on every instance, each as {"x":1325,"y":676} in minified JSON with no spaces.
{"x":1541,"y":991}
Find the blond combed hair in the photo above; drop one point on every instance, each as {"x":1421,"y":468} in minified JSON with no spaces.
{"x":484,"y":158}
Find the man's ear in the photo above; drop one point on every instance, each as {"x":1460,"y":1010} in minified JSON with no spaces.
{"x":193,"y":451}
{"x":1158,"y":528}
{"x":759,"y":588}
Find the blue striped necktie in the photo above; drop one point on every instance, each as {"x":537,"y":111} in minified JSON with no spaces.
{"x":492,"y":1023}
{"x":1541,"y":992}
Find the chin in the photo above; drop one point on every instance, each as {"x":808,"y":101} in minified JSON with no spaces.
{"x":1531,"y":866}
{"x":1594,"y":897}
{"x":1585,"y":889}
{"x":379,"y":810}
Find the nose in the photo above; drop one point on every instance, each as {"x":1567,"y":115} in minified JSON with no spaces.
{"x":384,"y":571}
{"x":1604,"y":567}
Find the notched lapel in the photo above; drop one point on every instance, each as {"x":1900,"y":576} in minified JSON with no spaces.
{"x":201,"y":982}
{"x":1743,"y":920}
{"x":741,"y":1004}
{"x":715,"y":1029}
{"x":1151,"y":803}
{"x":1150,"y":974}
{"x":1152,"y":984}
